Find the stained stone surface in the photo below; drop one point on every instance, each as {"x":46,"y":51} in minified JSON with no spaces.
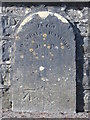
{"x":44,"y":65}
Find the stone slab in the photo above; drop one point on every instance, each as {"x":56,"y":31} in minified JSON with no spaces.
{"x":44,"y":73}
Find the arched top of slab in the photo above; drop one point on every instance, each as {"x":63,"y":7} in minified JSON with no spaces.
{"x":42,"y":15}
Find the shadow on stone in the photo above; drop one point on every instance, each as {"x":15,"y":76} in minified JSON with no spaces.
{"x":79,"y":70}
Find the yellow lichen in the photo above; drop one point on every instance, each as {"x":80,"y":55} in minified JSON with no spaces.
{"x":33,"y":41}
{"x":34,"y":53}
{"x":43,"y":79}
{"x":17,"y":37}
{"x":44,"y":45}
{"x":61,"y":45}
{"x":51,"y":54}
{"x":31,"y":49}
{"x":48,"y":46}
{"x":44,"y":35}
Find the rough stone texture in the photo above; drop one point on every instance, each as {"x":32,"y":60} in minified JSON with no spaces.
{"x":11,"y":114}
{"x":45,"y":1}
{"x":0,"y":103}
{"x":0,"y":59}
{"x":78,"y":17}
{"x":44,"y":66}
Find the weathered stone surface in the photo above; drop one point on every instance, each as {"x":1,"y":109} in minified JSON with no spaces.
{"x":11,"y":18}
{"x":44,"y":65}
{"x":78,"y":17}
{"x":0,"y":52}
{"x":45,"y":1}
{"x":0,"y":103}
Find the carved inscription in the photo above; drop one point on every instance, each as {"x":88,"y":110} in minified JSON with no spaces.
{"x":44,"y":66}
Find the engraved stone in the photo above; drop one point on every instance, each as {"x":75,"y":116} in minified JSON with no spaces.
{"x":44,"y":65}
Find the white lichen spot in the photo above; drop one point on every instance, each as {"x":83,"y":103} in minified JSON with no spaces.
{"x":37,"y":57}
{"x":8,"y":62}
{"x":21,"y":86}
{"x":52,"y":102}
{"x":42,"y":56}
{"x":50,"y":69}
{"x":62,"y":8}
{"x":67,"y":78}
{"x":27,"y":10}
{"x":80,"y":13}
{"x":47,"y":79}
{"x":54,"y":84}
{"x":85,"y":74}
{"x":59,"y":79}
{"x":21,"y":56}
{"x":69,"y":69}
{"x":44,"y":39}
{"x":61,"y":43}
{"x":44,"y":79}
{"x":41,"y":68}
{"x":56,"y":47}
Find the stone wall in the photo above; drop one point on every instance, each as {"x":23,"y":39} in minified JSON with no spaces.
{"x":77,"y":15}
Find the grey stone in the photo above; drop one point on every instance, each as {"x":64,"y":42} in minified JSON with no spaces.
{"x":17,"y":13}
{"x":45,"y":1}
{"x":44,"y":66}
{"x":0,"y":103}
{"x":0,"y":7}
{"x":87,"y":100}
{"x":0,"y":27}
{"x":0,"y":99}
{"x":5,"y":99}
{"x":0,"y":51}
{"x":6,"y":50}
